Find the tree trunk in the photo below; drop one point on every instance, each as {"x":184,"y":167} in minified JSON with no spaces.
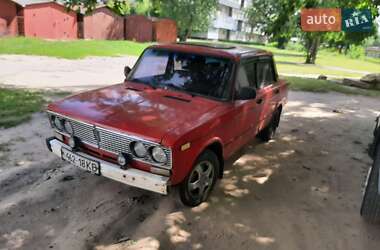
{"x":182,"y":38}
{"x":312,"y":50}
{"x":251,"y":33}
{"x":340,"y":48}
{"x":281,"y":42}
{"x":346,"y":49}
{"x":186,"y":34}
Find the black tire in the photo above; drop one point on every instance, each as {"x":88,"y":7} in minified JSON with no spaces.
{"x":269,"y":131}
{"x":370,"y":209}
{"x":188,"y":193}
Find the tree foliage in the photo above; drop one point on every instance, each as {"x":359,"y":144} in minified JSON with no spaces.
{"x":142,"y":7}
{"x":280,"y":20}
{"x":340,"y":40}
{"x":190,"y":15}
{"x":274,"y":18}
{"x":88,"y":5}
{"x":120,"y":7}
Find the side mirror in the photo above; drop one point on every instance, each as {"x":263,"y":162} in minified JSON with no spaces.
{"x":246,"y":93}
{"x":127,"y":70}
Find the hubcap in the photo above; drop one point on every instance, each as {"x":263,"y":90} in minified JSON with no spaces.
{"x":200,"y":180}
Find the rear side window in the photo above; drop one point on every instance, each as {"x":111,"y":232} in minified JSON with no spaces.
{"x":265,"y":73}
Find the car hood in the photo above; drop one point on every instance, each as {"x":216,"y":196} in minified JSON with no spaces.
{"x":135,"y":109}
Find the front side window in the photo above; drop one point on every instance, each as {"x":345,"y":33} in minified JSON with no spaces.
{"x":196,"y":74}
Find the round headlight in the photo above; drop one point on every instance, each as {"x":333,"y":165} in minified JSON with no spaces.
{"x":159,"y":155}
{"x":58,"y":123}
{"x":139,"y":149}
{"x":68,"y":127}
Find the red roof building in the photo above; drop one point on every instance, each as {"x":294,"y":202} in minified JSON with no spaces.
{"x":8,"y":18}
{"x":164,"y":30}
{"x":50,"y":20}
{"x":103,"y":24}
{"x":138,"y":28}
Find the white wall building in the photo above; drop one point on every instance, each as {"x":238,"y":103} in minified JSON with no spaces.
{"x":230,"y":23}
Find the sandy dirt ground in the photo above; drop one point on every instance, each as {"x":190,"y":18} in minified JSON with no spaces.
{"x":62,"y":74}
{"x":299,"y":191}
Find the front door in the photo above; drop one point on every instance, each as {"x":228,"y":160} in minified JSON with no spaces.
{"x":247,"y":112}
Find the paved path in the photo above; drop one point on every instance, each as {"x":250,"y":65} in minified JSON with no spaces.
{"x":72,"y":75}
{"x":62,"y":74}
{"x":299,"y":191}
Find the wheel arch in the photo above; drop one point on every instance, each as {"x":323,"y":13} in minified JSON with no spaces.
{"x":216,"y":146}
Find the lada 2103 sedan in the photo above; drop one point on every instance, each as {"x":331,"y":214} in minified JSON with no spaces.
{"x":183,"y":109}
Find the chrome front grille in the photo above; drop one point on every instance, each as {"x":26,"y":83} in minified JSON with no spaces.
{"x":111,"y":141}
{"x":84,"y":132}
{"x":117,"y":142}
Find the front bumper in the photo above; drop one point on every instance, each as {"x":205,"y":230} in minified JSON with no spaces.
{"x":131,"y":176}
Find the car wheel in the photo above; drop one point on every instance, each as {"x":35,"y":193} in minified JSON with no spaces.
{"x":269,"y":131}
{"x":370,"y":209}
{"x":197,"y":186}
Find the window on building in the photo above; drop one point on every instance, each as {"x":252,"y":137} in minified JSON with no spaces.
{"x":229,"y":11}
{"x":240,"y":25}
{"x":242,"y":4}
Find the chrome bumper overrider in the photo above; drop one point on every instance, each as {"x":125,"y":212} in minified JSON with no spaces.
{"x":131,"y":176}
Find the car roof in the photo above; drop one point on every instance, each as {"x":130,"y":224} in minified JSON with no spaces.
{"x":217,"y":49}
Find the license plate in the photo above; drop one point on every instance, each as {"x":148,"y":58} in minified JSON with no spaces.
{"x":80,"y":161}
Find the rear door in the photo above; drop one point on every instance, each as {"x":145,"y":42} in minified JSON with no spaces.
{"x":268,"y":93}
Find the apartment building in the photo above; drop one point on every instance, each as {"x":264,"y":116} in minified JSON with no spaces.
{"x":230,"y":23}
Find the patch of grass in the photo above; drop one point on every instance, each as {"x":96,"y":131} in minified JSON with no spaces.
{"x":291,"y":61}
{"x":69,"y":49}
{"x":324,"y":86}
{"x":56,"y":93}
{"x":307,"y":70}
{"x":328,"y":63}
{"x":16,"y":106}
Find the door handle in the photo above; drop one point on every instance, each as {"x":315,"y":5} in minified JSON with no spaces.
{"x":276,"y":91}
{"x":259,"y":101}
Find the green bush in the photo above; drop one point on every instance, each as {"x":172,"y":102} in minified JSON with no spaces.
{"x":356,"y":52}
{"x":295,"y":46}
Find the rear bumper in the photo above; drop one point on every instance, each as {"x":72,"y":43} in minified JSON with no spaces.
{"x":131,"y":176}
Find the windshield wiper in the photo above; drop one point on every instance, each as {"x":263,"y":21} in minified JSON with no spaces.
{"x":172,"y":86}
{"x":136,"y":80}
{"x":175,"y":87}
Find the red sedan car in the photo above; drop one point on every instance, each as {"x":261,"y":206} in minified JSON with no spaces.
{"x":182,"y":110}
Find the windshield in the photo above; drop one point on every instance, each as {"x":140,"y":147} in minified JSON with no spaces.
{"x":196,"y":74}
